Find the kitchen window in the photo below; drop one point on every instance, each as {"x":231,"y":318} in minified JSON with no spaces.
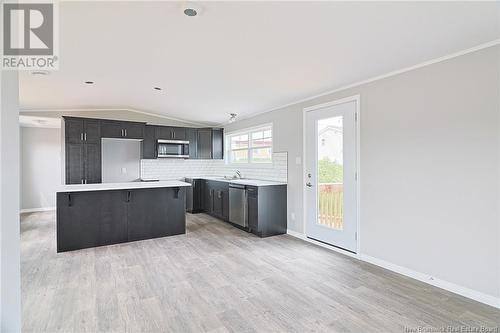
{"x":250,"y":146}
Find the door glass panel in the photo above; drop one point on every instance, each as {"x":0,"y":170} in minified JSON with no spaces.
{"x":331,"y":172}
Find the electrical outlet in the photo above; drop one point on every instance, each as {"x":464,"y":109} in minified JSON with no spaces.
{"x":124,"y":170}
{"x":292,"y":216}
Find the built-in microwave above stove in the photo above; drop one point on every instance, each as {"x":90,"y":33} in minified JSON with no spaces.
{"x":173,"y":148}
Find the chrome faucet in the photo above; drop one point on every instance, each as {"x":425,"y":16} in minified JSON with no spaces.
{"x":238,"y":174}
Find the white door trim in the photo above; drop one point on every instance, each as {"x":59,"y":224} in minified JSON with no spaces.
{"x":354,"y":98}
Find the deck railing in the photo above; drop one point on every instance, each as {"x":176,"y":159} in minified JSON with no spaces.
{"x":331,"y":204}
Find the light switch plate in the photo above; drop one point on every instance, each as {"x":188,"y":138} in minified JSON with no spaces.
{"x":298,"y":160}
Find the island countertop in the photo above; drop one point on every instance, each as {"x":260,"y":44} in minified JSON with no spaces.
{"x":120,"y":186}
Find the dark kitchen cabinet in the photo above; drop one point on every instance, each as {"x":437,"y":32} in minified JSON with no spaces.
{"x":112,"y":218}
{"x":207,"y":194}
{"x":217,"y":143}
{"x":95,"y":218}
{"x":221,"y":201}
{"x":73,"y":130}
{"x":179,"y":133}
{"x":192,"y":137}
{"x":204,"y":143}
{"x":215,"y":198}
{"x":81,"y":130}
{"x":267,"y":210}
{"x":88,"y":219}
{"x":134,"y":130}
{"x":253,"y":210}
{"x":77,"y":225}
{"x":210,"y":143}
{"x":218,"y":202}
{"x":74,"y":163}
{"x":92,"y":131}
{"x":122,"y":129}
{"x":149,"y":147}
{"x":266,"y":206}
{"x":92,"y":163}
{"x":171,"y":133}
{"x":112,"y":129}
{"x":155,"y":212}
{"x":82,"y":150}
{"x":194,"y":195}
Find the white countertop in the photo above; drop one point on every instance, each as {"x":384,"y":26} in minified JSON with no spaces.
{"x":251,"y":182}
{"x":121,"y":186}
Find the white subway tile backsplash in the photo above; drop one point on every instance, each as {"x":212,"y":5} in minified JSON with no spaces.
{"x":167,"y":169}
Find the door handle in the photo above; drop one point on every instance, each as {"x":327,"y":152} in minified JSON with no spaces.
{"x":309,"y":184}
{"x":85,"y":137}
{"x":129,"y":194}
{"x":81,"y":136}
{"x":125,"y":132}
{"x":70,"y":203}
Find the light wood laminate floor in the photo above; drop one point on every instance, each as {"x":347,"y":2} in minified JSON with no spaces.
{"x":220,"y":279}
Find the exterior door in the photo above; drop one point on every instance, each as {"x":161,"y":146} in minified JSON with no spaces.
{"x":331,"y":174}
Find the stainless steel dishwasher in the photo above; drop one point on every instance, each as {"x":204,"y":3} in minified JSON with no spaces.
{"x":238,"y":205}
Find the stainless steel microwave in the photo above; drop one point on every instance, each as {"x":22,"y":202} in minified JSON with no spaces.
{"x":173,"y":148}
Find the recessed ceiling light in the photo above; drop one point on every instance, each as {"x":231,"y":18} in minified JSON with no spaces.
{"x":39,"y":73}
{"x":191,"y":9}
{"x":190,"y":12}
{"x":89,"y":82}
{"x":157,"y":88}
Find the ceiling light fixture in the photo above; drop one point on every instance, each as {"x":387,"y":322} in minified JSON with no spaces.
{"x":89,"y":82}
{"x":191,"y":9}
{"x":232,"y":117}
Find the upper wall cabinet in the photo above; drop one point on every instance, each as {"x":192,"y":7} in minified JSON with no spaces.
{"x":171,"y":133}
{"x":122,"y":129}
{"x":149,"y":147}
{"x":217,"y":143}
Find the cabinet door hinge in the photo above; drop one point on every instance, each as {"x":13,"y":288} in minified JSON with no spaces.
{"x":356,"y":235}
{"x":356,"y":176}
{"x":355,"y":116}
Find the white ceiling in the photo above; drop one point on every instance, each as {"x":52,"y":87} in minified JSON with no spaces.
{"x":242,"y":57}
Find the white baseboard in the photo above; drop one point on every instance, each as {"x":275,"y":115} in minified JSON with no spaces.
{"x":449,"y":286}
{"x":326,"y":246}
{"x":34,"y":210}
{"x":446,"y":285}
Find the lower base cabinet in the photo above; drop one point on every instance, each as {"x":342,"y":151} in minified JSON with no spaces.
{"x":148,"y":212}
{"x":215,"y":199}
{"x":267,"y":210}
{"x":266,"y":206}
{"x":96,"y":218}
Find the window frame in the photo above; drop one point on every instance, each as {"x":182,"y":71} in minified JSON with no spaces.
{"x":249,"y":131}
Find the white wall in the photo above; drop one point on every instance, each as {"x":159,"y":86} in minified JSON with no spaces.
{"x":40,"y":166}
{"x":121,"y":160}
{"x":10,"y":274}
{"x":429,"y":168}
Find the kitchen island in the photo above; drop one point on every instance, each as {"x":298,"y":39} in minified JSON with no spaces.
{"x":90,"y":215}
